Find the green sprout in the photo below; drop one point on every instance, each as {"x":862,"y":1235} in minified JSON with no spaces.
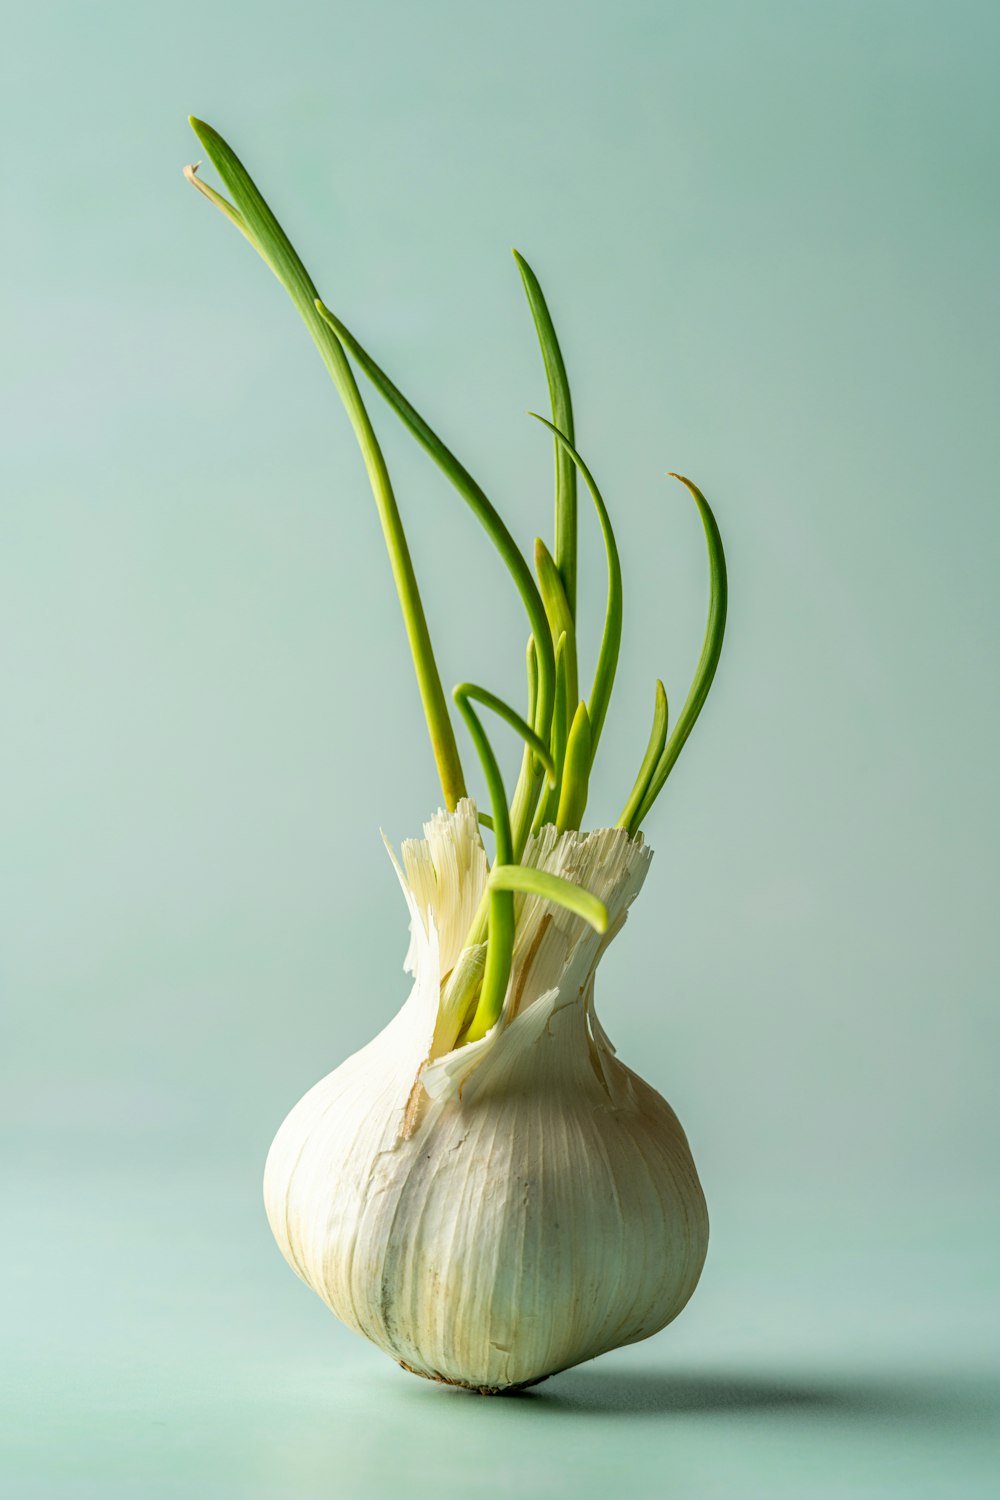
{"x":560,"y":730}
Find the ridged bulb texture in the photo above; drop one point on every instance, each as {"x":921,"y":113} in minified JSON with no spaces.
{"x":491,"y":1213}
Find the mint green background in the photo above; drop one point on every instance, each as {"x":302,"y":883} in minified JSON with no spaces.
{"x":770,"y":235}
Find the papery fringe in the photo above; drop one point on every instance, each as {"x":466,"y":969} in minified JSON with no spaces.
{"x":443,"y":877}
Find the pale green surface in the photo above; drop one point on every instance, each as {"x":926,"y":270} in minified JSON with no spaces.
{"x":770,"y":237}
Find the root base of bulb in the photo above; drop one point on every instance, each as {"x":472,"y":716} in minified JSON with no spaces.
{"x":479,"y":1390}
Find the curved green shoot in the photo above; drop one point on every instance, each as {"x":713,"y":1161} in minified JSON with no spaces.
{"x":477,"y":932}
{"x":466,"y":691}
{"x":710,"y":651}
{"x":657,"y":740}
{"x":254,"y":219}
{"x":500,"y":929}
{"x":478,"y":502}
{"x":527,"y":881}
{"x":576,"y":772}
{"x":607,"y":659}
{"x":562,"y":416}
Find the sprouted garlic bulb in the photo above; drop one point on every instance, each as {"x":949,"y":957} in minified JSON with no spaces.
{"x":506,"y":1209}
{"x":485,"y":1191}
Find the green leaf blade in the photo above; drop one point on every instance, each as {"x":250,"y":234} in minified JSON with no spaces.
{"x":528,"y":881}
{"x":607,"y":659}
{"x":654,"y":749}
{"x":251,"y":215}
{"x":710,"y":652}
{"x":562,"y":416}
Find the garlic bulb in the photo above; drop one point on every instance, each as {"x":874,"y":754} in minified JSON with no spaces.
{"x":492,"y":1213}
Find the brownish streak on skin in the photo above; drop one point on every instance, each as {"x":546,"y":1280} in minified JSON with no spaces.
{"x":529,"y":959}
{"x":413,"y":1112}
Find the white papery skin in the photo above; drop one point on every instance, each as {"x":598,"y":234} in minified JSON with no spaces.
{"x":492,"y":1214}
